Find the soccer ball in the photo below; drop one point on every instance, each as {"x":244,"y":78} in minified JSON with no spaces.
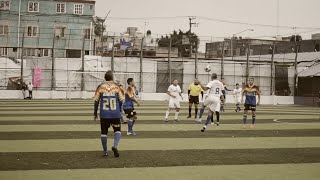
{"x":207,"y":68}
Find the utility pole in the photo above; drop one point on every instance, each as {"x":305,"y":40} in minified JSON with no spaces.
{"x":82,"y":64}
{"x":247,"y":66}
{"x":272,"y":88}
{"x":112,"y":56}
{"x":53,"y":63}
{"x":141,"y":70}
{"x":22,"y":51}
{"x":169,"y":60}
{"x":190,"y":32}
{"x":196,"y":61}
{"x":102,"y":28}
{"x":296,"y":69}
{"x":222,"y":61}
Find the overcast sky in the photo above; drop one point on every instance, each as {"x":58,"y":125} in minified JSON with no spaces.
{"x":292,"y":13}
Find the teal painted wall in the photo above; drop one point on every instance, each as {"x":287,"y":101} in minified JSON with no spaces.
{"x":46,"y":20}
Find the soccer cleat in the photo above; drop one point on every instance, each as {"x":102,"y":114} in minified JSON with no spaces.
{"x":105,"y":154}
{"x":252,"y":126}
{"x":198,"y":121}
{"x":129,"y":133}
{"x":189,"y":116}
{"x":176,"y":120}
{"x":244,"y":126}
{"x":203,"y":128}
{"x":212,"y":123}
{"x":166,"y":120}
{"x":218,"y":123}
{"x":115,"y":152}
{"x":195,"y":116}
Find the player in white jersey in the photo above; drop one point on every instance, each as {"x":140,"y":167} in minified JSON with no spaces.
{"x":213,"y":101}
{"x":237,"y":92}
{"x":174,"y":92}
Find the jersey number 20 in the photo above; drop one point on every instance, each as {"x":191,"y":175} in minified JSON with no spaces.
{"x":110,"y":104}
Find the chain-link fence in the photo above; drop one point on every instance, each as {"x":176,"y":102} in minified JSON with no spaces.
{"x":278,"y":68}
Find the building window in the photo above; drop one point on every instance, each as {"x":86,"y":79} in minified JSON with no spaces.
{"x":4,"y":5}
{"x":4,"y":29}
{"x":32,"y":31}
{"x":87,"y":33}
{"x":33,"y":6}
{"x":59,"y":32}
{"x":61,"y":8}
{"x":4,"y":52}
{"x":78,"y":9}
{"x":43,"y":52}
{"x":29,"y":52}
{"x":91,"y":7}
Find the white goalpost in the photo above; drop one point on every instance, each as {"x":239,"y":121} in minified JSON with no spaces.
{"x":92,"y":79}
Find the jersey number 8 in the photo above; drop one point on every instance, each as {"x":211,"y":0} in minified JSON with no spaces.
{"x":217,"y":90}
{"x":110,"y":104}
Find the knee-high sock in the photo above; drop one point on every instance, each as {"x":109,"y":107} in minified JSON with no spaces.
{"x":244,"y":119}
{"x":211,"y":118}
{"x":196,"y":112}
{"x":167,"y":114}
{"x":133,"y":122}
{"x":253,"y":119}
{"x":130,"y":124}
{"x":201,"y":112}
{"x":117,"y":136}
{"x":104,"y":142}
{"x":218,"y":116}
{"x":208,"y":119}
{"x":189,"y":111}
{"x":238,"y":106}
{"x":121,"y":119}
{"x":176,"y":115}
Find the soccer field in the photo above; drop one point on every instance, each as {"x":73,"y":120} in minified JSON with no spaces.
{"x":57,"y":139}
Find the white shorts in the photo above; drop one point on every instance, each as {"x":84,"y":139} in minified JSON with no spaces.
{"x":238,"y":100}
{"x":174,"y":103}
{"x":213,"y":102}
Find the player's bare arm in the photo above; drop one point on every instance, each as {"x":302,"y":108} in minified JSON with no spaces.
{"x":180,"y":95}
{"x":171,"y":94}
{"x":243,"y":94}
{"x":204,"y":87}
{"x":259,"y":96}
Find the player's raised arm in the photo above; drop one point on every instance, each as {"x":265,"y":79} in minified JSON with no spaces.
{"x":208,"y":86}
{"x":96,"y":102}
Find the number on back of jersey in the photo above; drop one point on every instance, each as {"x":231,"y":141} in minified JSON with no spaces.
{"x":217,"y":91}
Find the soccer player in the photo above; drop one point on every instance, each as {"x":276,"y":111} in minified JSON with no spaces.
{"x":193,"y":94}
{"x":237,"y":92}
{"x":212,"y":100}
{"x":110,"y":97}
{"x":128,"y":106}
{"x":250,"y":91}
{"x":174,"y":91}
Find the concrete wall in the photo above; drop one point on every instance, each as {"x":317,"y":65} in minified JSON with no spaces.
{"x":16,"y":94}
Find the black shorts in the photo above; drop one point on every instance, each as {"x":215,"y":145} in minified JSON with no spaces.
{"x":106,"y":123}
{"x":194,"y":99}
{"x":130,"y":113}
{"x":250,"y":107}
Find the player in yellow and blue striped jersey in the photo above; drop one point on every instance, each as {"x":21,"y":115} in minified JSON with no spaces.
{"x":110,"y":98}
